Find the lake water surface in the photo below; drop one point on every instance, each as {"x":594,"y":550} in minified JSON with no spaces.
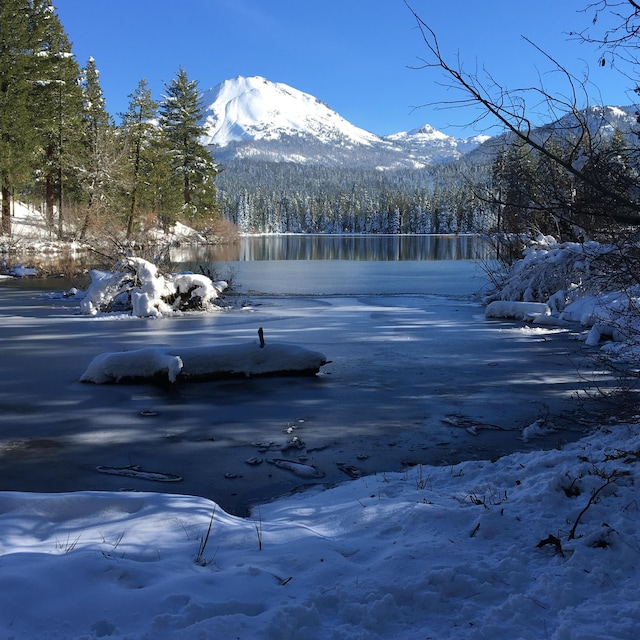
{"x":342,"y":247}
{"x":347,"y":265}
{"x":417,"y":376}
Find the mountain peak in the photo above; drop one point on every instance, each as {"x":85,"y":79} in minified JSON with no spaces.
{"x":255,"y":108}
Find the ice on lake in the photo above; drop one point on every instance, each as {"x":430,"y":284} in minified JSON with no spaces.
{"x":418,"y":375}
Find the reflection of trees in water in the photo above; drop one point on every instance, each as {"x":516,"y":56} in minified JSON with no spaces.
{"x":346,"y":247}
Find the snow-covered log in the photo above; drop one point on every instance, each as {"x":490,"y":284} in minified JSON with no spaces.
{"x":203,"y":363}
{"x":527,"y":311}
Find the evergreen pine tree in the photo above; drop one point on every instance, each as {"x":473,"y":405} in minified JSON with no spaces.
{"x":56,"y":108}
{"x":142,"y":139}
{"x":20,"y":43}
{"x":191,"y":163}
{"x":612,"y":165}
{"x":511,"y":181}
{"x":98,"y":127}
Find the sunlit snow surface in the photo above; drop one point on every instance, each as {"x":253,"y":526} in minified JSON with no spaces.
{"x":443,"y":552}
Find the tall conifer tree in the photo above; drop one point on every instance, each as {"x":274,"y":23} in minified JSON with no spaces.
{"x":20,"y":44}
{"x":97,"y":129}
{"x":181,"y":114}
{"x":142,"y":137}
{"x":56,"y":108}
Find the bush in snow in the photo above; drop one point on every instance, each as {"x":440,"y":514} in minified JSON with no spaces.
{"x":589,"y":283}
{"x":556,"y":273}
{"x":135,"y":286}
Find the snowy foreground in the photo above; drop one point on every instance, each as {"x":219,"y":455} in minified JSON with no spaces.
{"x":477,"y":550}
{"x":534,"y":545}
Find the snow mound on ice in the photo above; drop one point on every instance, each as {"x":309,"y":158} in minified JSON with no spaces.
{"x":528,"y":311}
{"x":202,"y":363}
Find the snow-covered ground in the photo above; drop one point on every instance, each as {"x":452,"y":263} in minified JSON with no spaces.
{"x":31,"y":236}
{"x":536,"y":544}
{"x":466,"y":551}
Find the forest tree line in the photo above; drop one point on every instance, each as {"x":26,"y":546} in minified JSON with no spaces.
{"x":62,"y":152}
{"x":289,"y":198}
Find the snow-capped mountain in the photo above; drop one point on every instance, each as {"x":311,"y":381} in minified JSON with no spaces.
{"x":263,"y":120}
{"x":427,"y":140}
{"x":600,"y":122}
{"x":256,"y":109}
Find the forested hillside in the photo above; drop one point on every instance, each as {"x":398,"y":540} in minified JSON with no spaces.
{"x":285,"y":197}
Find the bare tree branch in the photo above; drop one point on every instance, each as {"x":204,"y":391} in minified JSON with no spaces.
{"x":510,"y":109}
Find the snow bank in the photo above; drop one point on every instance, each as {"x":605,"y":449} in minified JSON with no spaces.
{"x":479,"y":550}
{"x":201,"y":363}
{"x":178,"y":234}
{"x":138,"y":288}
{"x":20,"y":271}
{"x":554,"y":272}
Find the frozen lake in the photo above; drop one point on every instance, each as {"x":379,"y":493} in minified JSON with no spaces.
{"x":417,"y":376}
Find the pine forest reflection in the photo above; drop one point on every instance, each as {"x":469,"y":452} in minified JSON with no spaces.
{"x":342,"y":247}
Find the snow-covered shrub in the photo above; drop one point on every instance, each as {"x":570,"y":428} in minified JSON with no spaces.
{"x":588,"y":283}
{"x":554,"y":273}
{"x":135,"y":286}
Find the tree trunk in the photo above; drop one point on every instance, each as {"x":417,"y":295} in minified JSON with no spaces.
{"x":187,"y":188}
{"x":132,"y":212}
{"x":48,"y":202}
{"x":5,"y":220}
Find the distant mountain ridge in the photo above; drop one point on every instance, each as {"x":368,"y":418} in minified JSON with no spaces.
{"x":601,"y":122}
{"x":252,"y":118}
{"x":273,"y":122}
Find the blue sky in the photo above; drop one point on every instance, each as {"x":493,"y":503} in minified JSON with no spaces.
{"x":355,"y":55}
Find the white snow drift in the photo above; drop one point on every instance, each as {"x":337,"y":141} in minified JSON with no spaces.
{"x":479,"y":550}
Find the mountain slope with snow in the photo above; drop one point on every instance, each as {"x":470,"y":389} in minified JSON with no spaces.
{"x":262,"y":120}
{"x":256,"y":119}
{"x":598,"y":122}
{"x":256,"y":109}
{"x":427,"y":139}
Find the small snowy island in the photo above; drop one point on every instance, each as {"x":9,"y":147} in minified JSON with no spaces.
{"x":136,"y":286}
